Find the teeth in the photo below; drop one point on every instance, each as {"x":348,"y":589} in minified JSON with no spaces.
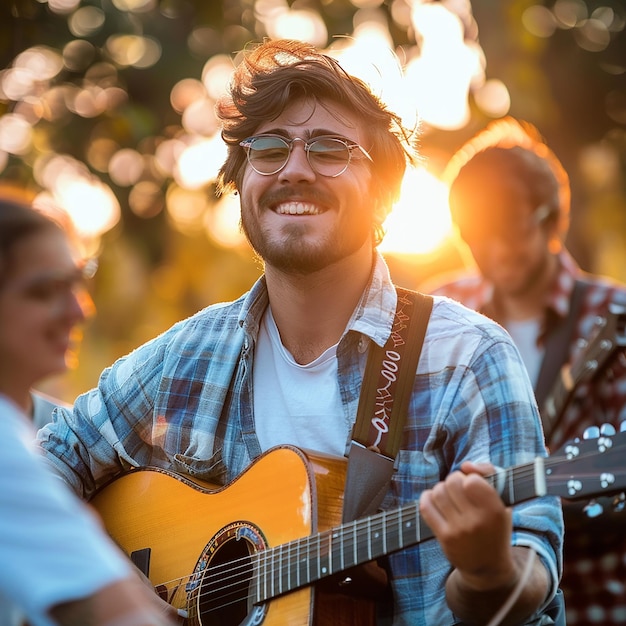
{"x":297,"y":208}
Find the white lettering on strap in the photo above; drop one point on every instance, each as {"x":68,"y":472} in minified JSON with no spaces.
{"x":384,"y":399}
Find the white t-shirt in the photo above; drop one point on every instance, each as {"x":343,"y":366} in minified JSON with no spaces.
{"x":525,"y":335}
{"x":52,"y":549}
{"x":296,"y":404}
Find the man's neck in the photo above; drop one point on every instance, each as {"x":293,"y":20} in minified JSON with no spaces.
{"x":312,"y":311}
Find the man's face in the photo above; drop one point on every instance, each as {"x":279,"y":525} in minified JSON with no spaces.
{"x":297,"y":219}
{"x":507,"y":237}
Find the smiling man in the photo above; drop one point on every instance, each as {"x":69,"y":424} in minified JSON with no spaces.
{"x":318,"y":162}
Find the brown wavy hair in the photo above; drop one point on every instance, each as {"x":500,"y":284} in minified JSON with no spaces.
{"x":274,"y":74}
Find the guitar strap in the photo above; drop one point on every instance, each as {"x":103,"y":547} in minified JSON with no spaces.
{"x":557,"y":352}
{"x":383,"y":403}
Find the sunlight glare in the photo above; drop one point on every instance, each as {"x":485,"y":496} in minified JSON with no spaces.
{"x":222,"y":222}
{"x":200,"y":162}
{"x":439,"y":79}
{"x":493,"y":98}
{"x":420,"y":221}
{"x":303,"y":24}
{"x":185,"y":208}
{"x":92,"y":205}
{"x":369,"y":56}
{"x":15,"y":133}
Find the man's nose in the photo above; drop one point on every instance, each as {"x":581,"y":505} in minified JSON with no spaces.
{"x":297,"y":167}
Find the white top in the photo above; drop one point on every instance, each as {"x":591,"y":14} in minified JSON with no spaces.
{"x":51,"y":548}
{"x":296,"y":404}
{"x":525,"y":335}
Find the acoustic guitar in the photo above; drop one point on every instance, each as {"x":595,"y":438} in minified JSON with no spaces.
{"x":251,"y":552}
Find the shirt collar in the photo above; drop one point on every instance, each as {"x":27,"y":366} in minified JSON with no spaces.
{"x":375,"y":312}
{"x":373,"y":316}
{"x":560,"y":295}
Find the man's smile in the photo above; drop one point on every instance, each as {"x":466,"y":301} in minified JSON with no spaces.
{"x":297,"y":208}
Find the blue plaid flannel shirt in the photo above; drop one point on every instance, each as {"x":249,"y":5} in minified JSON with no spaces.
{"x":182,"y":401}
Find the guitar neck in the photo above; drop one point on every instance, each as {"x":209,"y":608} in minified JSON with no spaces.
{"x":310,"y":559}
{"x":559,"y":397}
{"x":609,"y":334}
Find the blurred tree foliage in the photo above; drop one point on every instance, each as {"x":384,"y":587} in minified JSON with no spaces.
{"x":152,"y":274}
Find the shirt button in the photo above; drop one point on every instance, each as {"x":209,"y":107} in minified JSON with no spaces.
{"x":363,"y":343}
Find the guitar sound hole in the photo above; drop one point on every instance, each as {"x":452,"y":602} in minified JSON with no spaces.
{"x":225,"y":596}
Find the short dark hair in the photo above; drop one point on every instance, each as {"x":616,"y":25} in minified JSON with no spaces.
{"x":275,"y":73}
{"x":510,"y":149}
{"x":18,"y":221}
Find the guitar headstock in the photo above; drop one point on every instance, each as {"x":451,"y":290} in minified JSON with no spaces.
{"x":589,"y":468}
{"x":608,"y":334}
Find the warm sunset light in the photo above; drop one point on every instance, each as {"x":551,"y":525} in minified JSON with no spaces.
{"x":428,"y":83}
{"x":420,"y":221}
{"x":185,"y":161}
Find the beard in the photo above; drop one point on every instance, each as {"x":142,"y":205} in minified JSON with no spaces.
{"x":534,"y":274}
{"x":294,"y":249}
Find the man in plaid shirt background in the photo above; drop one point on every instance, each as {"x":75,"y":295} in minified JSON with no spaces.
{"x":509,"y":199}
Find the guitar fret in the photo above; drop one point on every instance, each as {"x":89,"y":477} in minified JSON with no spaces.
{"x":376,"y":540}
{"x":288,"y":568}
{"x":330,"y":552}
{"x":263,"y":576}
{"x":256,"y":569}
{"x":306,"y":561}
{"x":336,"y":550}
{"x":393,"y":531}
{"x":280,"y":569}
{"x":318,"y":554}
{"x":297,"y":563}
{"x":271,"y":575}
{"x":384,"y":532}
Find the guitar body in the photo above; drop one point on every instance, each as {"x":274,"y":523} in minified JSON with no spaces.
{"x":194,"y":541}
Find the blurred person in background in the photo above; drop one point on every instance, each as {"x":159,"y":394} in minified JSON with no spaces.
{"x":43,"y":300}
{"x":510,"y":200}
{"x":318,"y":162}
{"x":56,"y":564}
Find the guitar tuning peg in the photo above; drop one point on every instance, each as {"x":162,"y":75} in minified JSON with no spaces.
{"x":622,"y":427}
{"x":593,"y":509}
{"x":608,"y":430}
{"x":619,"y":502}
{"x":592,"y":432}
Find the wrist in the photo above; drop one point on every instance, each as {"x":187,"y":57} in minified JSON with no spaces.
{"x":485,"y":582}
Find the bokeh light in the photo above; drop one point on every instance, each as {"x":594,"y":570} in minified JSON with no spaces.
{"x":108,"y":109}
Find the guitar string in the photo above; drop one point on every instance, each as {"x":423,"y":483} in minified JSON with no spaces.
{"x":257,"y":562}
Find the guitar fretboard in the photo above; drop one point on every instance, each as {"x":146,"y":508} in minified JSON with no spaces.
{"x":310,"y":559}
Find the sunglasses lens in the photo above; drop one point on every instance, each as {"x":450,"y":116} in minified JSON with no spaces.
{"x":329,"y":157}
{"x":268,"y":155}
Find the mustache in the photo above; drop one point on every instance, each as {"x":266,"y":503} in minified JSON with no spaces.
{"x":298,"y":193}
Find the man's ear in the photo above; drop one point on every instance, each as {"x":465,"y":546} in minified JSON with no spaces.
{"x":380,"y":211}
